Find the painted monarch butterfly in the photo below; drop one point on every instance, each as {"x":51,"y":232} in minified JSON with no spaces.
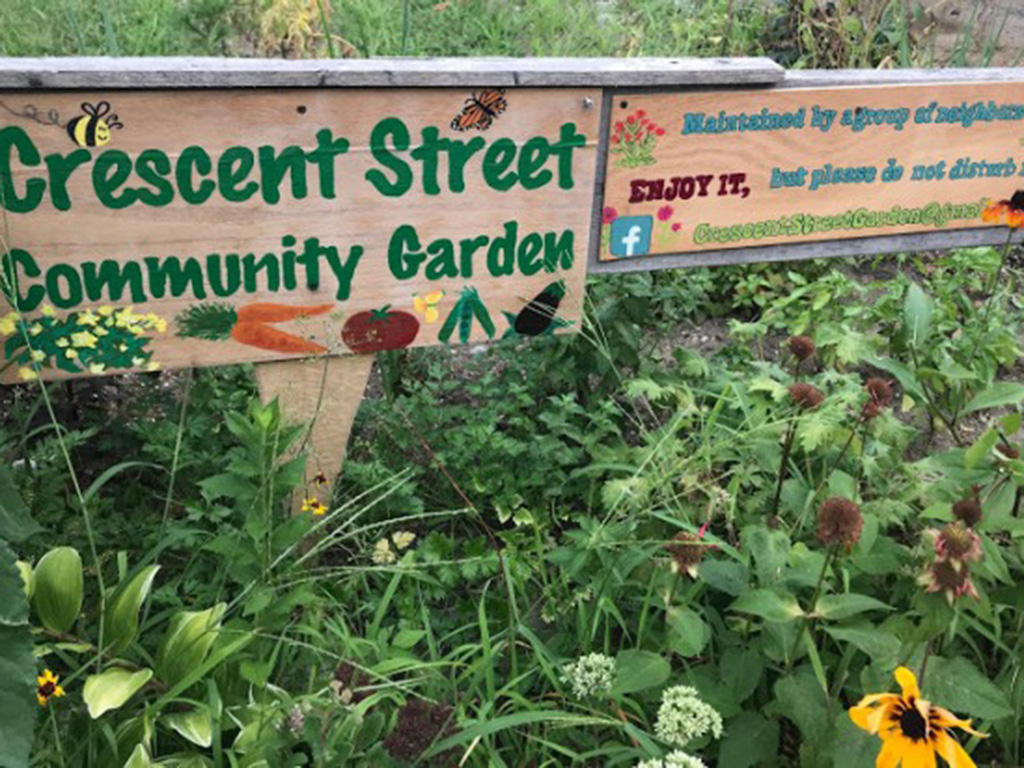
{"x":480,"y":110}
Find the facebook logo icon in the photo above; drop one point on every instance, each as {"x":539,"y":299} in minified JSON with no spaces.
{"x":631,"y":235}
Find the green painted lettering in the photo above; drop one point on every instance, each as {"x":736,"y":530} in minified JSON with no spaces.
{"x":194,"y":161}
{"x":529,"y":251}
{"x":111,"y":278}
{"x":344,"y":271}
{"x":31,"y":298}
{"x":394,"y":129}
{"x":501,"y":255}
{"x":153,"y":167}
{"x":291,"y":161}
{"x":12,"y":137}
{"x":233,"y":167}
{"x":110,"y":172}
{"x":404,"y":256}
{"x":327,"y":148}
{"x":251,"y":270}
{"x":558,"y":253}
{"x":224,"y":281}
{"x":532,"y":173}
{"x":568,"y":140}
{"x":59,"y":168}
{"x":442,"y":262}
{"x":467,"y":248}
{"x":170,"y":271}
{"x":70,"y":293}
{"x":498,"y":159}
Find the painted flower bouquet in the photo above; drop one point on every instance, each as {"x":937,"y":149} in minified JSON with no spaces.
{"x":92,"y":341}
{"x":633,"y":140}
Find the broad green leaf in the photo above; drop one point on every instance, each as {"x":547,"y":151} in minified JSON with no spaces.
{"x":27,"y":577}
{"x":854,"y":748}
{"x":767,"y":604}
{"x":122,"y":620}
{"x":17,"y":666}
{"x":981,"y":448}
{"x":741,"y":671}
{"x":908,"y":381}
{"x":998,"y":394}
{"x":195,"y":726}
{"x":690,"y":633}
{"x":917,"y":314}
{"x":112,"y":688}
{"x":725,"y":576}
{"x":770,"y":550}
{"x":846,"y":605}
{"x":959,"y":686}
{"x":187,"y":641}
{"x":800,"y":698}
{"x":139,"y":758}
{"x":749,"y":737}
{"x":880,"y":646}
{"x":57,"y":590}
{"x":637,"y":670}
{"x":16,"y":523}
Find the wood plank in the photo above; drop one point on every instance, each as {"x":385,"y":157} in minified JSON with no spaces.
{"x":187,"y":283}
{"x":710,"y":170}
{"x":148,"y":73}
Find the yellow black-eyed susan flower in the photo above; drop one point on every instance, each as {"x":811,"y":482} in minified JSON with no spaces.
{"x":320,"y":480}
{"x":912,"y":730}
{"x":47,"y":687}
{"x":313,"y":505}
{"x":1010,"y":212}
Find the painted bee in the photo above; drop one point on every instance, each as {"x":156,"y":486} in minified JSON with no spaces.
{"x":93,"y":128}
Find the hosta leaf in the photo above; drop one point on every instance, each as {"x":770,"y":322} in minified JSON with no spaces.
{"x":111,"y":689}
{"x":57,"y":588}
{"x":122,"y":620}
{"x":917,"y":315}
{"x":195,"y":726}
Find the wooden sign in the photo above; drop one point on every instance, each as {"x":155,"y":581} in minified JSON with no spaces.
{"x":169,"y":228}
{"x":693,"y":172}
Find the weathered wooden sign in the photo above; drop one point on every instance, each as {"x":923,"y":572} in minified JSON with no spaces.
{"x":689,"y":172}
{"x":182,"y":228}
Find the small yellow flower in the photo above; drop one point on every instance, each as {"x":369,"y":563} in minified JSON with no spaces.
{"x":152,"y":365}
{"x":35,"y":329}
{"x":97,"y":368}
{"x":383,"y":554}
{"x":47,"y":687}
{"x":913,"y":731}
{"x":160,"y":324}
{"x":88,"y":318}
{"x":48,"y":310}
{"x":27,"y":374}
{"x":71,"y":354}
{"x":138,"y":362}
{"x":403,"y":539}
{"x":62,"y":343}
{"x":106,"y":310}
{"x":84,"y":340}
{"x":8,"y":323}
{"x":100,"y":331}
{"x":313,"y":505}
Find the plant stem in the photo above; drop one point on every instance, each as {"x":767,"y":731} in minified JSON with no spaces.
{"x":787,"y":446}
{"x":809,"y":617}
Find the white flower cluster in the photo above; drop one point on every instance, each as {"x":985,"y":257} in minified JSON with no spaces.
{"x":674,"y":759}
{"x":683,"y":717}
{"x":590,"y":675}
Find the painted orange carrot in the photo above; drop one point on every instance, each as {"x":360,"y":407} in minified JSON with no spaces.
{"x":265,"y":312}
{"x":249,"y":325}
{"x":274,"y":339}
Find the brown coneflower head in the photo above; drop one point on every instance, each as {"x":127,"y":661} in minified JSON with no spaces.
{"x":1008,"y":451}
{"x":1010,"y":212}
{"x":686,"y":551}
{"x":807,"y":397}
{"x":952,"y":579}
{"x":420,"y":723}
{"x":839,"y":522}
{"x":802,"y":347}
{"x":957,"y":543}
{"x":968,"y":510}
{"x":879,"y":397}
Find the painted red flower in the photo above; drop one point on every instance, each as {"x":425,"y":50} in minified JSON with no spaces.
{"x":620,"y":127}
{"x":660,"y":131}
{"x":631,"y":119}
{"x":676,"y":227}
{"x":609,"y":215}
{"x":615,"y":139}
{"x":665,"y":213}
{"x":629,"y":138}
{"x":641,"y":113}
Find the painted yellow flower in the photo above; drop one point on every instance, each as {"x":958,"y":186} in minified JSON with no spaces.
{"x":84,"y":340}
{"x":47,"y":687}
{"x":8,"y":323}
{"x":160,"y":324}
{"x":100,"y":331}
{"x":106,"y":310}
{"x":313,"y":505}
{"x":88,"y":318}
{"x":97,"y":368}
{"x":35,"y":329}
{"x":27,"y":374}
{"x":62,"y":342}
{"x":912,"y":730}
{"x":152,"y":365}
{"x":71,"y":354}
{"x":38,"y":355}
{"x":48,"y":310}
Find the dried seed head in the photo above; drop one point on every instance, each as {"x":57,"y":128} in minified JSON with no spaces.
{"x":880,"y":391}
{"x":968,"y":510}
{"x":839,"y":522}
{"x":802,"y":347}
{"x":806,"y":396}
{"x":420,"y":723}
{"x":1008,"y":451}
{"x":686,"y":551}
{"x":958,"y":543}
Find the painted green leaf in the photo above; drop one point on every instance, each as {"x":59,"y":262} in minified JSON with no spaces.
{"x":844,"y":606}
{"x":122,"y":620}
{"x":639,"y":670}
{"x":17,"y":666}
{"x":767,"y":604}
{"x":111,"y":689}
{"x":57,"y":591}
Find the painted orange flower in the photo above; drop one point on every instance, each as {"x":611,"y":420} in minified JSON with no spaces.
{"x":912,"y":730}
{"x":1011,"y":211}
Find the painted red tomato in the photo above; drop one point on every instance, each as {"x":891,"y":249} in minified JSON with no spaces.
{"x":379,"y":329}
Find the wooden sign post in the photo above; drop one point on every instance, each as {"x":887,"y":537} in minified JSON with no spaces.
{"x":160,"y":213}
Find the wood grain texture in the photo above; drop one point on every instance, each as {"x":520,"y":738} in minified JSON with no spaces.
{"x":212,"y":233}
{"x":147,"y":73}
{"x":780,"y":168}
{"x":325,"y":394}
